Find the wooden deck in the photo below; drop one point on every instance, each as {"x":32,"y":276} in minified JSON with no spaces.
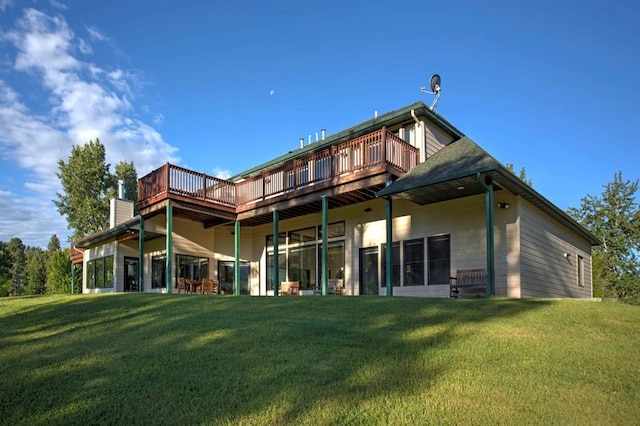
{"x":353,"y":165}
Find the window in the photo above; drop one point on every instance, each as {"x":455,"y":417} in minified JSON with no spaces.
{"x":580,"y":271}
{"x":302,"y":235}
{"x":100,"y":272}
{"x":159,"y":271}
{"x":191,"y":267}
{"x":395,"y":264}
{"x":439,"y":249}
{"x":409,"y":134}
{"x":282,"y":267}
{"x":226,"y":277}
{"x":414,"y":262}
{"x":335,"y":230}
{"x":302,"y":266}
{"x":335,"y":260}
{"x":282,"y":239}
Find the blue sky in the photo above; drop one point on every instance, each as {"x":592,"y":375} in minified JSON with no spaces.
{"x":221,"y":87}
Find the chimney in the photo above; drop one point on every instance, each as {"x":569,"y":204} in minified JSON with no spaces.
{"x":120,"y":210}
{"x":323,"y":133}
{"x":301,"y":142}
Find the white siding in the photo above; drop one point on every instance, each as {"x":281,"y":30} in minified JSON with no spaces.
{"x":546,"y":272}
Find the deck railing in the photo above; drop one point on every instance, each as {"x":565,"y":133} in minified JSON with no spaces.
{"x":359,"y":154}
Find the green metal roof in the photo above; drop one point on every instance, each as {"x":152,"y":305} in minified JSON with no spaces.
{"x":454,"y":172}
{"x":389,"y":119}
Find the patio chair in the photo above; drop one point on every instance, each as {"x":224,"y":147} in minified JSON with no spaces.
{"x":209,"y":286}
{"x":182,"y":285}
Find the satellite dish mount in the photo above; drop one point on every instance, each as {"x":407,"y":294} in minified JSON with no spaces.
{"x":434,"y":83}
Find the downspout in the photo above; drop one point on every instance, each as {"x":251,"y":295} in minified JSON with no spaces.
{"x":141,"y":256}
{"x":488,"y":187}
{"x":276,"y":283}
{"x":236,"y":261}
{"x":420,"y":138}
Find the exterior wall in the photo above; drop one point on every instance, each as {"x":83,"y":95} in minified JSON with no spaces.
{"x":120,"y":211}
{"x":546,"y":272}
{"x":225,"y":251}
{"x":464,"y":221}
{"x":435,"y":139}
{"x":155,"y":247}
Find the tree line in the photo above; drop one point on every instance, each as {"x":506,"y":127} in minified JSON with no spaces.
{"x":28,"y":270}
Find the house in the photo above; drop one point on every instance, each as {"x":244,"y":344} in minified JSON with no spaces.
{"x":396,"y":205}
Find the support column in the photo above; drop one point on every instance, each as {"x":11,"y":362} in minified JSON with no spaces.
{"x":325,"y":232}
{"x":169,"y":241}
{"x":141,"y":256}
{"x":388,"y":249}
{"x":488,"y":187}
{"x":73,"y":278}
{"x":236,"y":262}
{"x":276,"y":278}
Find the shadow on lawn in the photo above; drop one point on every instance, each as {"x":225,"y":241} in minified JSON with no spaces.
{"x":143,"y":358}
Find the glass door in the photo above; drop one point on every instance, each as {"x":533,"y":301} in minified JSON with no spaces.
{"x":131,"y":274}
{"x":226,"y":277}
{"x":369,"y":271}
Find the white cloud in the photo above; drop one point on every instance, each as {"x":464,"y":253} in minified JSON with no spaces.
{"x":96,"y":34}
{"x":221,"y":173}
{"x":86,"y":101}
{"x":57,"y":5}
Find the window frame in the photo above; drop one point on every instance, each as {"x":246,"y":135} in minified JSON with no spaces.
{"x":431,"y":261}
{"x":410,"y":264}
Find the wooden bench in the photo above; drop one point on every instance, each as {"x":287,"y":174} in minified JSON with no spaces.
{"x":290,"y":287}
{"x":468,"y":281}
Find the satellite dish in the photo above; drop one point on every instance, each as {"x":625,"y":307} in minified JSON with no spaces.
{"x":434,"y":83}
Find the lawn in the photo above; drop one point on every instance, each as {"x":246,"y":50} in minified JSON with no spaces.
{"x":194,"y":359}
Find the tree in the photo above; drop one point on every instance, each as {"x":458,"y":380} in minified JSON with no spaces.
{"x":54,"y":244}
{"x":5,"y":272}
{"x":36,"y":271}
{"x":17,"y":262}
{"x":126,"y":171}
{"x":59,"y":272}
{"x":87,"y":185}
{"x":522,"y":175}
{"x":615,"y":219}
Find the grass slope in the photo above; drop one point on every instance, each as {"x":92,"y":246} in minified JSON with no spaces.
{"x":191,"y":359}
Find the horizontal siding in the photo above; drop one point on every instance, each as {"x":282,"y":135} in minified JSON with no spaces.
{"x":545,"y":271}
{"x":435,"y":138}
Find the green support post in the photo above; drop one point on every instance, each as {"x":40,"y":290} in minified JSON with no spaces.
{"x":388,"y":210}
{"x":236,"y":262}
{"x":276,"y":279}
{"x":141,"y":256}
{"x":325,"y":232}
{"x":169,"y":241}
{"x":488,"y":187}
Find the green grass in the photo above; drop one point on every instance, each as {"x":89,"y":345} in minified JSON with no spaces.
{"x":192,"y":359}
